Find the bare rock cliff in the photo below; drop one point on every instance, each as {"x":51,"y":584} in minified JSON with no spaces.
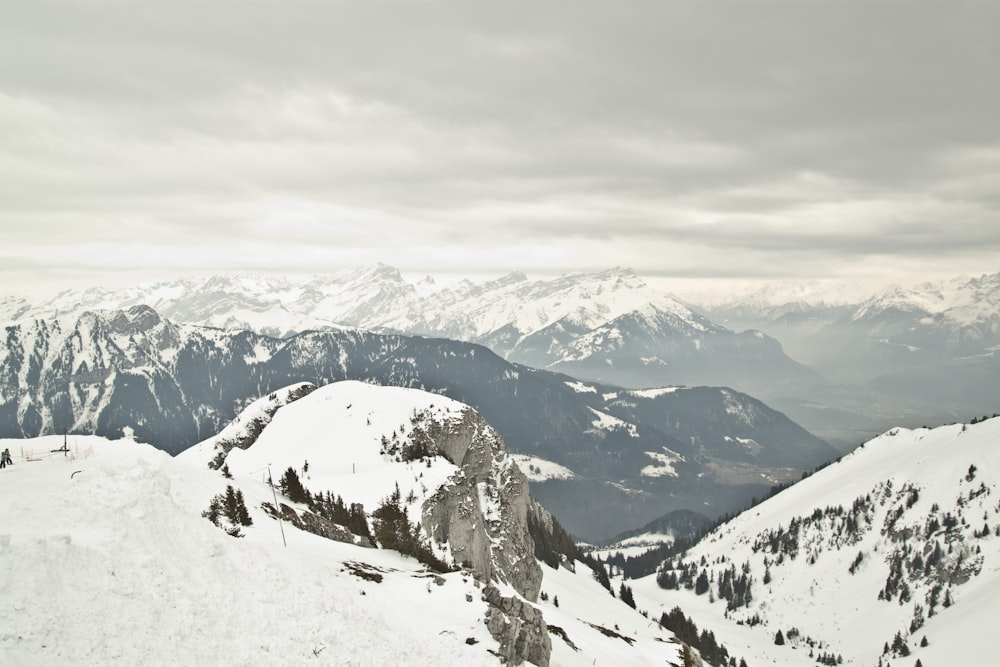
{"x":481,"y":512}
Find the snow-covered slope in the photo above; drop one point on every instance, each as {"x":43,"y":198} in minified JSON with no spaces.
{"x":901,"y":536}
{"x":108,"y":560}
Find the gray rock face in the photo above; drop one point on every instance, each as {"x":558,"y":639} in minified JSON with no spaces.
{"x":481,"y":513}
{"x":317,"y":525}
{"x":519,"y":627}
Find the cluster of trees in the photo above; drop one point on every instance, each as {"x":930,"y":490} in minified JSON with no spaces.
{"x":625,"y":595}
{"x":330,"y":507}
{"x":898,"y":646}
{"x":334,"y":509}
{"x":417,"y":446}
{"x":393,"y":530}
{"x":829,"y":659}
{"x":229,"y":512}
{"x":732,"y":586}
{"x":291,"y":486}
{"x":552,"y":547}
{"x":982,"y":419}
{"x":735,"y":588}
{"x":704,"y":642}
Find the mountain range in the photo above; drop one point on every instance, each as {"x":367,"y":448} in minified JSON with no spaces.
{"x":624,"y":456}
{"x":842,"y":363}
{"x":902,"y":356}
{"x":608,"y":326}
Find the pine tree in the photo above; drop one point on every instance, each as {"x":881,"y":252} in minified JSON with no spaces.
{"x":701,"y":585}
{"x":625,"y":593}
{"x":229,"y":511}
{"x":291,"y":486}
{"x":242,"y":515}
{"x":230,"y":505}
{"x":214,"y":511}
{"x":779,"y":639}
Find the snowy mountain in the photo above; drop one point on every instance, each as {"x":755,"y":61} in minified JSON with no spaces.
{"x":120,"y":563}
{"x":614,"y":459}
{"x":890,"y":556}
{"x":608,"y":326}
{"x":909,"y":356}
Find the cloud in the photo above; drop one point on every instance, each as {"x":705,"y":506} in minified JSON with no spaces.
{"x":726,"y":139}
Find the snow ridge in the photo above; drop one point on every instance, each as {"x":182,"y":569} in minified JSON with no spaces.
{"x":117,"y":540}
{"x":896,"y":543}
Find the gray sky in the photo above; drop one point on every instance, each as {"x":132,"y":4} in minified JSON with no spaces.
{"x":687,"y":140}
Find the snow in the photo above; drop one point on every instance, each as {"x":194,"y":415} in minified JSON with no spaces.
{"x":115,"y":566}
{"x":822,"y":598}
{"x":108,"y":561}
{"x":377,"y":297}
{"x":632,"y":546}
{"x":581,"y":388}
{"x":664,"y":466}
{"x":538,"y":469}
{"x":654,"y":393}
{"x":338,"y":430}
{"x":581,"y":603}
{"x":606,"y":422}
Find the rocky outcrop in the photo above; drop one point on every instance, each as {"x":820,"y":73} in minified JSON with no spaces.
{"x":519,"y":627}
{"x":317,"y":525}
{"x":481,"y":512}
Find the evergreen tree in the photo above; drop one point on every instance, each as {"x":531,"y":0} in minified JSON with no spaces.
{"x":228,"y":511}
{"x":242,"y":515}
{"x":779,"y":639}
{"x":393,"y":530}
{"x":291,"y":486}
{"x":625,"y":593}
{"x":701,"y":585}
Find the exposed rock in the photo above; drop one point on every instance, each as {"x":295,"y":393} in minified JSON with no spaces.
{"x":519,"y":627}
{"x":317,"y":525}
{"x":481,"y":512}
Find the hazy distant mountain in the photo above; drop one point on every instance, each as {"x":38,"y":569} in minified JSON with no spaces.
{"x":631,"y":455}
{"x":889,"y":555}
{"x":607,"y":326}
{"x":864,"y":338}
{"x":903,"y":355}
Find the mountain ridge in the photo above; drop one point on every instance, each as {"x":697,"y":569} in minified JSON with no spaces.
{"x":888,"y":542}
{"x":125,"y":541}
{"x":174,"y":384}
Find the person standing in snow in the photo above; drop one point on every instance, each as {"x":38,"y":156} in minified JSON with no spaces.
{"x":5,"y":459}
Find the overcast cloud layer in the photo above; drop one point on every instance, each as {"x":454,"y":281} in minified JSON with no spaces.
{"x":738,"y":140}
